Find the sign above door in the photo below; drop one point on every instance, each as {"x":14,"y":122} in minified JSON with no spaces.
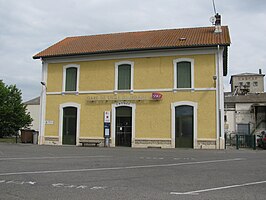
{"x":116,"y":98}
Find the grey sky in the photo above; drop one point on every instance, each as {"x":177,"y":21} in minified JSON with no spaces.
{"x":29,"y":26}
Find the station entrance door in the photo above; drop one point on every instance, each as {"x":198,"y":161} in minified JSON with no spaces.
{"x":123,"y":130}
{"x":69,"y":125}
{"x":184,"y":129}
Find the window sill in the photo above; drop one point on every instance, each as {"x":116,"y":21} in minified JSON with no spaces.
{"x":70,"y":92}
{"x":183,"y":89}
{"x":123,"y":91}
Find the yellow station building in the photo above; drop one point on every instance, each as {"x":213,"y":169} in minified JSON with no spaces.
{"x":161,"y":88}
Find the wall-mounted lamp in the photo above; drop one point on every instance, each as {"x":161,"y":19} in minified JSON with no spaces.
{"x":44,"y":84}
{"x":214,"y":80}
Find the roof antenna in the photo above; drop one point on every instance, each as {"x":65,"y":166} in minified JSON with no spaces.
{"x":213,"y":4}
{"x":213,"y":18}
{"x":216,"y":19}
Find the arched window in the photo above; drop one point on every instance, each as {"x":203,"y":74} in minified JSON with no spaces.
{"x":71,"y":76}
{"x":71,"y":79}
{"x":183,"y":70}
{"x":183,"y":73}
{"x":124,"y":75}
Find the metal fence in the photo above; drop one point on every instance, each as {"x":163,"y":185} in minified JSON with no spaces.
{"x":240,"y":141}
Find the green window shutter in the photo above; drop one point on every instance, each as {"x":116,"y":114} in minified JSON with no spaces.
{"x":183,"y":74}
{"x":71,"y":79}
{"x":124,"y":77}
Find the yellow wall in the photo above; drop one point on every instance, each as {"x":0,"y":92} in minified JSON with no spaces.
{"x":97,"y":75}
{"x":55,"y":78}
{"x":149,"y":73}
{"x":153,"y":119}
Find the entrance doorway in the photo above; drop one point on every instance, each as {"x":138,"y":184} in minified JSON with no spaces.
{"x":69,"y":125}
{"x":184,"y":127}
{"x":123,"y":129}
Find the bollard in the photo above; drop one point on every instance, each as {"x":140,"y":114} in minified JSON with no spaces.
{"x":237,"y":142}
{"x":225,"y":140}
{"x":254,"y":142}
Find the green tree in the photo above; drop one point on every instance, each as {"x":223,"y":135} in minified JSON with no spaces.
{"x":13,"y":113}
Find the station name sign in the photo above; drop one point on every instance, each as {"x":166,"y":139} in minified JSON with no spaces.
{"x":153,"y":97}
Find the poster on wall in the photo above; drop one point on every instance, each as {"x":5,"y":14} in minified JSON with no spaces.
{"x":107,"y":121}
{"x":107,"y":118}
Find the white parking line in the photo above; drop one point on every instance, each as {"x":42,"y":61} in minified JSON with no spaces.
{"x":196,"y":192}
{"x":120,"y":168}
{"x":62,"y":157}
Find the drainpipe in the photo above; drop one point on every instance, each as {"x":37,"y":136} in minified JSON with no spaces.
{"x":220,"y":101}
{"x":43,"y":103}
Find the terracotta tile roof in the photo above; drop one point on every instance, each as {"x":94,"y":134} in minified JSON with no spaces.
{"x":133,"y":41}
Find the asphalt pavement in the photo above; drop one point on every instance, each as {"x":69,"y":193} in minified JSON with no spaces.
{"x":68,"y":172}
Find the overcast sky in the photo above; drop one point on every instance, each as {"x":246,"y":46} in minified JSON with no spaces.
{"x":29,"y":26}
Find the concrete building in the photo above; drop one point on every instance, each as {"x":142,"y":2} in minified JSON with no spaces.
{"x":33,"y":107}
{"x":247,"y":83}
{"x":160,"y":88}
{"x":245,"y":106}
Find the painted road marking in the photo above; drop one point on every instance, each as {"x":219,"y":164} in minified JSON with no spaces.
{"x":62,"y":157}
{"x":120,"y":168}
{"x":196,"y":192}
{"x":161,"y":158}
{"x":57,"y":185}
{"x":60,"y":185}
{"x":152,"y":158}
{"x":17,"y":182}
{"x":64,"y":185}
{"x":98,"y":188}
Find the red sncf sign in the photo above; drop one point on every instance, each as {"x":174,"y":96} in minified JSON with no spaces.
{"x":157,"y":96}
